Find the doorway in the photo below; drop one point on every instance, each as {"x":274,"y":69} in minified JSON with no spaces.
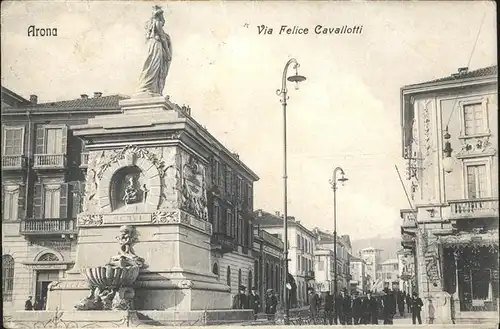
{"x":43,"y":279}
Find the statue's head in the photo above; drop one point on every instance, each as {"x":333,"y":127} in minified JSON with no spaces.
{"x":158,"y":13}
{"x":126,"y":229}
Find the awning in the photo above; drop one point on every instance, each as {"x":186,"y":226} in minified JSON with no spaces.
{"x":462,"y":239}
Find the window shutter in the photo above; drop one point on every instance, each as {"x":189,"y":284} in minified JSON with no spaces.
{"x":38,"y":202}
{"x":21,"y":202}
{"x":40,"y":140}
{"x":64,"y":141}
{"x":63,"y":201}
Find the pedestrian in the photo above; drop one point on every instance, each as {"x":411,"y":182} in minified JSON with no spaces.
{"x":254,"y":302}
{"x":314,"y":304}
{"x":416,"y":308}
{"x":357,"y":311}
{"x":388,"y":306}
{"x":28,"y":305}
{"x":343,"y":308}
{"x":432,"y":312}
{"x":370,"y":309}
{"x":37,"y":304}
{"x":408,"y":302}
{"x":44,"y":303}
{"x":401,"y":304}
{"x":240,"y":300}
{"x":328,"y":308}
{"x":271,"y":304}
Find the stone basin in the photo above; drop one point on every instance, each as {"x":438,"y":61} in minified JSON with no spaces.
{"x":111,"y":277}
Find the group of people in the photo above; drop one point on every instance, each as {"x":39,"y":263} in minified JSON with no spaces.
{"x":37,"y":305}
{"x":252,"y":301}
{"x":355,"y":309}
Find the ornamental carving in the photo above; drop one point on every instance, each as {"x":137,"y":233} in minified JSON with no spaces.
{"x":431,"y":257}
{"x":193,"y":190}
{"x":427,"y":131}
{"x":185,"y":284}
{"x":89,"y":219}
{"x":165,"y":217}
{"x":476,"y":146}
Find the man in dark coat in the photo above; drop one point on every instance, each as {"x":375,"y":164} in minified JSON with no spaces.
{"x":408,"y":302}
{"x":401,"y":303}
{"x":240,"y":300}
{"x":271,"y":304}
{"x":388,"y":306}
{"x":314,"y":304}
{"x":370,"y":309}
{"x":329,"y":308}
{"x":357,"y":311}
{"x":254,"y":302}
{"x":416,"y":308}
{"x":343,"y":308}
{"x":28,"y":305}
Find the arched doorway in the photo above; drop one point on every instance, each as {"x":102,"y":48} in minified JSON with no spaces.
{"x":44,"y":278}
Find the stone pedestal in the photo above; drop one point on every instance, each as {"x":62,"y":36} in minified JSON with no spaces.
{"x":148,"y":170}
{"x":441,"y":302}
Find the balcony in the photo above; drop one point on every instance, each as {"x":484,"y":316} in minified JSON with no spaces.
{"x":12,"y":162}
{"x":48,"y":227}
{"x":50,"y":161}
{"x":474,"y":208}
{"x":309,"y":275}
{"x":222,"y":243}
{"x":84,"y":160}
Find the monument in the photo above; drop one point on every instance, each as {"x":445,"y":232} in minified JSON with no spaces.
{"x":144,"y":238}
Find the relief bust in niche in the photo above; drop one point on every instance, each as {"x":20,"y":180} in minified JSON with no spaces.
{"x":128,"y":190}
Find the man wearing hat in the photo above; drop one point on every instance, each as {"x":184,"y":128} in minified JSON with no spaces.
{"x":271,"y":304}
{"x":357,"y":312}
{"x":254,"y":302}
{"x":416,"y":308}
{"x":240,"y":300}
{"x":314,"y":304}
{"x":343,"y":308}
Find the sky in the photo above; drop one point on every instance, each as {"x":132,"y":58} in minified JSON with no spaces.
{"x":347,"y":112}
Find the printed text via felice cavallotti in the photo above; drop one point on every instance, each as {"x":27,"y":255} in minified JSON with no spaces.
{"x":318,"y":29}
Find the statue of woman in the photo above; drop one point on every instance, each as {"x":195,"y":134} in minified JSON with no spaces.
{"x":155,"y":69}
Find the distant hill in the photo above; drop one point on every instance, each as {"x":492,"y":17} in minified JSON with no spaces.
{"x":390,"y":246}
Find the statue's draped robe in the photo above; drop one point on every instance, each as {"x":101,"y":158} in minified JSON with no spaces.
{"x":155,"y":69}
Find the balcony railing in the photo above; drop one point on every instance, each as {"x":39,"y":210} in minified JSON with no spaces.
{"x":84,"y":160}
{"x":12,"y":161}
{"x":55,"y":226}
{"x":473,"y":208}
{"x":50,"y":161}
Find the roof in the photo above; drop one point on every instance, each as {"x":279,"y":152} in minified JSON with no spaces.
{"x":356,"y":259}
{"x":11,"y":98}
{"x":265,"y":219}
{"x":110,"y":101}
{"x":482,"y":72}
{"x":390,"y":261}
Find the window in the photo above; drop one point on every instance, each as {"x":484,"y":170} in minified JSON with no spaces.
{"x":229,"y":225}
{"x":215,"y":217}
{"x":215,"y":269}
{"x":13,"y":140}
{"x":239,"y":278}
{"x":7,"y":277}
{"x":215,"y":171}
{"x":52,"y":196}
{"x":229,"y":181}
{"x":476,"y":181}
{"x":298,"y":263}
{"x":222,"y":177}
{"x":474,"y":119}
{"x":54,"y":138}
{"x":298,"y":241}
{"x":10,"y":202}
{"x":321,"y":265}
{"x":228,"y":276}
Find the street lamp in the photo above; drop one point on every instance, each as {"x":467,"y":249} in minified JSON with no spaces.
{"x":283,"y":93}
{"x":333,"y":183}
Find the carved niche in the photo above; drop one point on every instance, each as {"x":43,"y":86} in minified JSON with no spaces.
{"x":193,"y":188}
{"x":129,"y":179}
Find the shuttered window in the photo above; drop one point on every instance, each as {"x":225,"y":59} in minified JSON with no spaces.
{"x":50,"y":201}
{"x":474,"y":119}
{"x":13,"y":140}
{"x":7,"y":277}
{"x":10,"y":202}
{"x":51,"y":140}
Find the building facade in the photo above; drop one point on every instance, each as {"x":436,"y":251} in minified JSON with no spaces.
{"x":301,"y":246}
{"x":450,"y":142}
{"x":44,"y":169}
{"x":389,"y":270}
{"x":406,"y":268}
{"x":372,"y":258}
{"x":325,"y":242}
{"x":359,"y":279}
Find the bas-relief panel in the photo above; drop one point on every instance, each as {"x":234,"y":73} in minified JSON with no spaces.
{"x":193,"y":186}
{"x":104,"y":187}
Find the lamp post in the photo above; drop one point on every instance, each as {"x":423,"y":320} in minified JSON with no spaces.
{"x":333,"y":183}
{"x":283,"y":93}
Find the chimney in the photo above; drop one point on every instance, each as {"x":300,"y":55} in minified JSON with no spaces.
{"x":236,"y":155}
{"x":463,"y":70}
{"x":259,"y":213}
{"x":277,"y":213}
{"x":97,"y":94}
{"x":33,"y":99}
{"x":84,"y":96}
